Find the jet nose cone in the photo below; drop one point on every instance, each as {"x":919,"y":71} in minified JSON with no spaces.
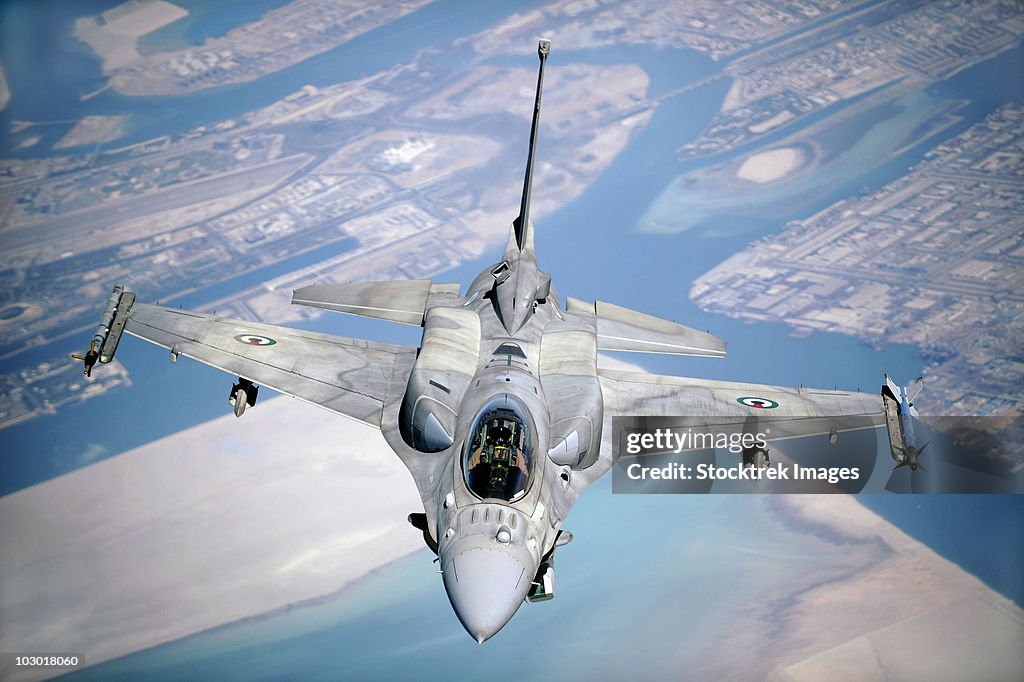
{"x":485,"y":586}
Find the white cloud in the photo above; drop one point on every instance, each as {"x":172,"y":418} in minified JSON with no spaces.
{"x":225,"y":520}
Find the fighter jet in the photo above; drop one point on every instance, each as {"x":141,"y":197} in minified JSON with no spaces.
{"x":501,"y":415}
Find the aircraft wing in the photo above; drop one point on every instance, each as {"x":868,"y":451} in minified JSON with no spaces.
{"x":628,"y":330}
{"x":404,"y":301}
{"x":352,"y":377}
{"x":787,"y":412}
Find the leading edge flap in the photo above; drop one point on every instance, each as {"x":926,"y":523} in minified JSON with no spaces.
{"x":623,"y":329}
{"x":402,"y":301}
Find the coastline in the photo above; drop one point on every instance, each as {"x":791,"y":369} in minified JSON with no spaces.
{"x":94,"y":560}
{"x":883,"y":610}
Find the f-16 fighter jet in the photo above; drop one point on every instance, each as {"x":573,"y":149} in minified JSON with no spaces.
{"x":499,"y":413}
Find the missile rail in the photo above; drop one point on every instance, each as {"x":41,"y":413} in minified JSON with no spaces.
{"x":109,"y":331}
{"x":893,"y":424}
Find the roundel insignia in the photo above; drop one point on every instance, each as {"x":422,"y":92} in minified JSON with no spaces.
{"x":760,"y":403}
{"x":255,"y":340}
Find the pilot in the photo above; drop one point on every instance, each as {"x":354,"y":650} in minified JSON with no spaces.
{"x":479,"y":468}
{"x":477,"y":456}
{"x":521,"y":463}
{"x":480,"y":479}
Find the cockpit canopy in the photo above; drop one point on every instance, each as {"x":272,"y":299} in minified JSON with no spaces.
{"x":498,"y":457}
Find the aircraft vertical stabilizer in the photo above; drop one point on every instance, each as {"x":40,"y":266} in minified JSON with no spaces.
{"x":518,"y":284}
{"x":521,"y":226}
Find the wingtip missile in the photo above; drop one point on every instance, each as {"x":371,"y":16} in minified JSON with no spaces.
{"x":108,"y":331}
{"x":900,"y":415}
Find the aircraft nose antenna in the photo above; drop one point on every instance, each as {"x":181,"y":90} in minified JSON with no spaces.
{"x":485,"y":586}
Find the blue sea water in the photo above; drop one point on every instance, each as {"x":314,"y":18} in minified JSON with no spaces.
{"x":980,"y":533}
{"x":48,"y":70}
{"x":648,"y":585}
{"x":653,"y":272}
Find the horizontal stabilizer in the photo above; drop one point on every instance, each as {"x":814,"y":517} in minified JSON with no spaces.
{"x":623,"y":329}
{"x":402,"y":301}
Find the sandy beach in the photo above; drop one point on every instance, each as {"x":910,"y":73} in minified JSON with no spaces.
{"x":223,"y":521}
{"x":114,"y":34}
{"x":771,"y":165}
